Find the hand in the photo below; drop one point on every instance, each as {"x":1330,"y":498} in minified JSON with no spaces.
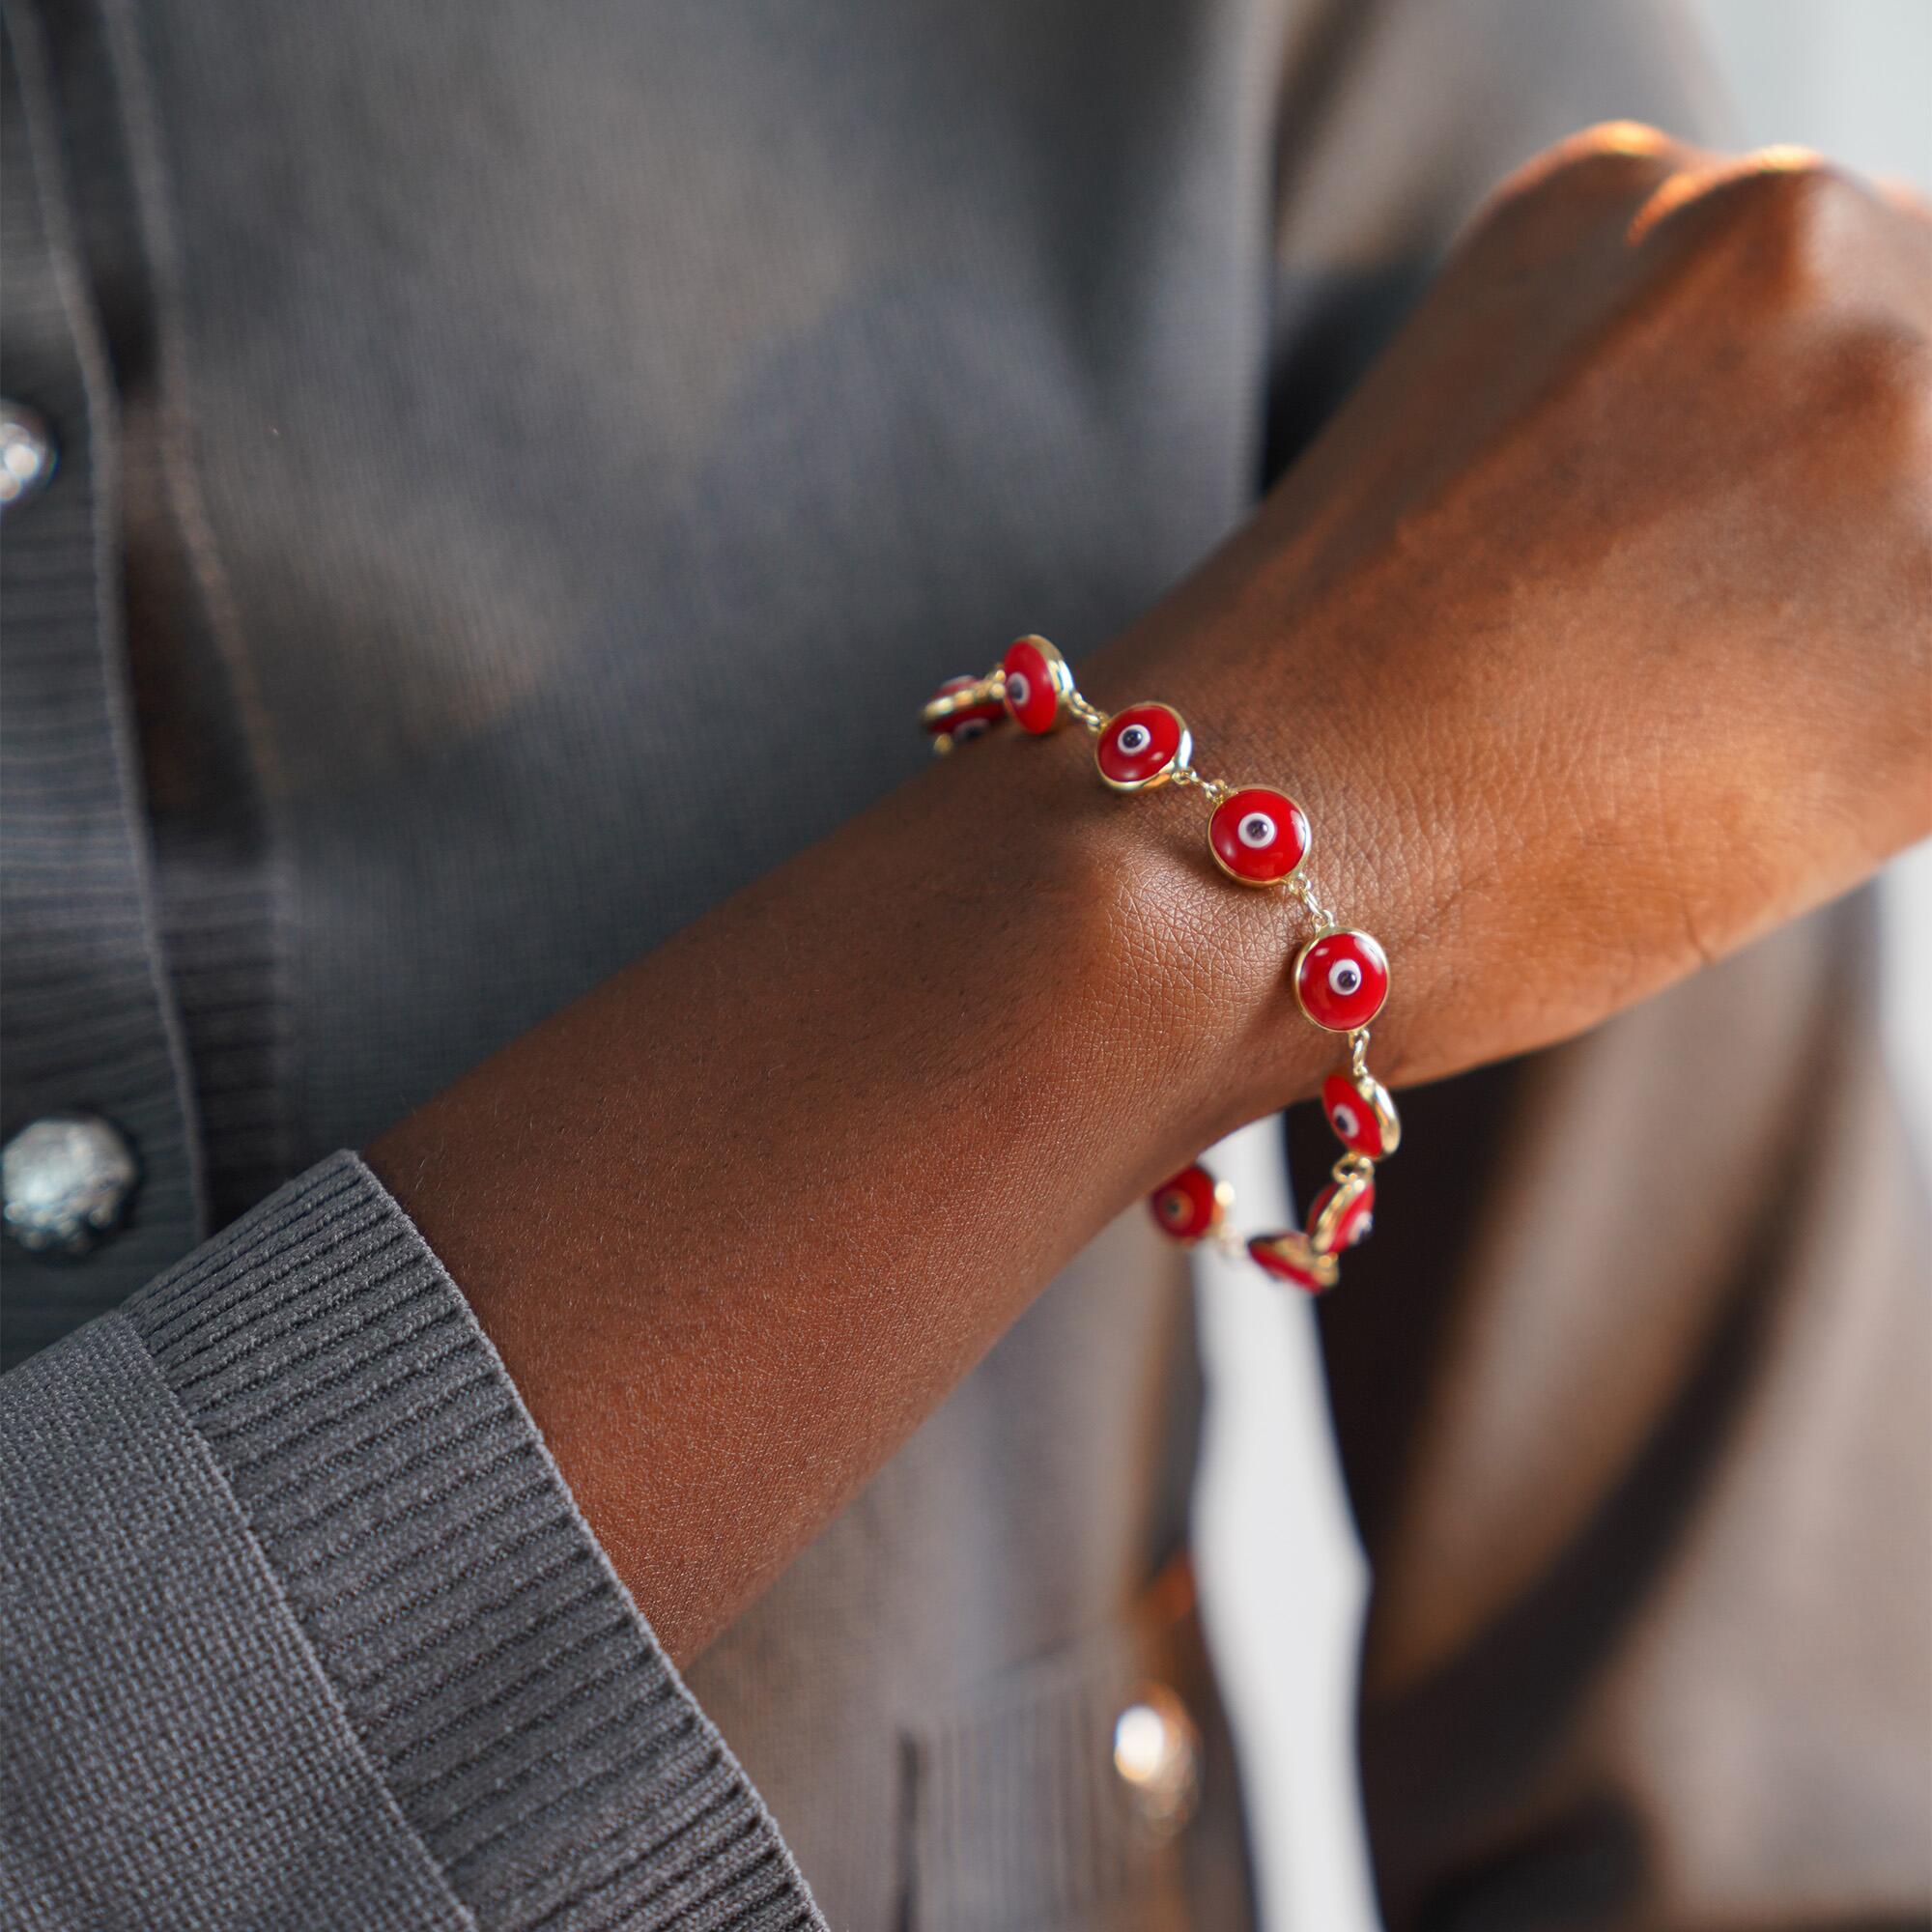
{"x":1594,"y":631}
{"x":1593,"y":636}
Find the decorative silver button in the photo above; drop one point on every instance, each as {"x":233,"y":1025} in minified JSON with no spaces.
{"x":27,"y":454}
{"x":1157,"y":1755}
{"x":65,"y":1181}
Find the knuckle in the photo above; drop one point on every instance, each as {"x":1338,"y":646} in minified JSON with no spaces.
{"x":1606,"y":148}
{"x":1798,"y":234}
{"x":1798,"y":208}
{"x":1609,"y":144}
{"x":1608,"y":157}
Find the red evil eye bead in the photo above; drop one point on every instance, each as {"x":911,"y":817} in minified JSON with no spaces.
{"x":1289,"y":1258}
{"x":1038,"y":685}
{"x":1257,"y":836}
{"x":1362,"y":1115}
{"x":959,"y":710}
{"x":1190,"y":1205}
{"x":1342,"y":980}
{"x":1140,"y":746}
{"x":1342,"y":1214}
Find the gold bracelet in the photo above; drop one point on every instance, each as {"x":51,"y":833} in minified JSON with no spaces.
{"x":1258,"y":837}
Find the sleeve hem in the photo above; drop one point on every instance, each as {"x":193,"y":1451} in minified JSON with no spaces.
{"x":496,"y":1669}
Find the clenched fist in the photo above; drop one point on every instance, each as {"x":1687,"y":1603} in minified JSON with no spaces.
{"x":1592,"y":635}
{"x":1594,"y":631}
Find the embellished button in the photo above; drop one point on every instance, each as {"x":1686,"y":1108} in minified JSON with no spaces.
{"x":1140,"y":746}
{"x":1257,"y":836}
{"x":1157,"y":1757}
{"x":1342,"y":1213}
{"x":65,"y":1181}
{"x":1038,"y":685}
{"x":1290,"y":1258}
{"x":27,"y":454}
{"x":958,"y":711}
{"x":1191,"y":1205}
{"x":1342,"y":980}
{"x":1362,"y":1114}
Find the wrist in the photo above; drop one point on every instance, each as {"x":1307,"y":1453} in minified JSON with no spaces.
{"x":1194,"y":903}
{"x":1258,"y":838}
{"x":1164,"y":986}
{"x":1231,"y":949}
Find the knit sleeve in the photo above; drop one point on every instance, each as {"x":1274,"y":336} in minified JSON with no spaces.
{"x":303,"y":1626}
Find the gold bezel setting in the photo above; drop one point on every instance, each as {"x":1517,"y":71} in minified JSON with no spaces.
{"x":1296,"y":1250}
{"x":1375,"y":1096}
{"x":950,"y":704}
{"x":1307,"y":1256}
{"x":1222,"y":1197}
{"x":1293,"y":874}
{"x":1058,"y":676}
{"x":1329,"y":932}
{"x":1184,"y":750}
{"x":1324,"y":1228}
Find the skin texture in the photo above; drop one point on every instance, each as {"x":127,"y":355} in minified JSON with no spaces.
{"x":1593,"y":636}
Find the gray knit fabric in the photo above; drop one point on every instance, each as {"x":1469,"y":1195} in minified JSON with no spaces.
{"x":210,"y":1777}
{"x":87,"y":1019}
{"x":523,"y":468}
{"x":305,"y":1510}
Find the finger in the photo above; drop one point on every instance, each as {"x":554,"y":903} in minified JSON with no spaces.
{"x":1609,"y":157}
{"x":1594,"y":181}
{"x":1775,"y":174}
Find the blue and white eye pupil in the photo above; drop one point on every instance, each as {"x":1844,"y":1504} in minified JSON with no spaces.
{"x":1257,"y":830}
{"x":1345,"y":1122}
{"x":1172,"y":1207}
{"x":1135,"y":739}
{"x":1345,"y":977}
{"x":1018,"y":688}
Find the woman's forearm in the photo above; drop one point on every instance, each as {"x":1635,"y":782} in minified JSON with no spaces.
{"x":740,"y":1217}
{"x":1568,"y":720}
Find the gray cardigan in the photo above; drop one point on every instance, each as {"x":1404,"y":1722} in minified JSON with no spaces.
{"x":479,"y":427}
{"x":307,"y":1631}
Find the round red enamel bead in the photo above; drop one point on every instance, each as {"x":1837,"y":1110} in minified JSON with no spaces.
{"x":1342,"y":980}
{"x":1362,"y":1115}
{"x":1038,"y":682}
{"x":1141,"y":746}
{"x":951,"y":716}
{"x":1257,"y":836}
{"x":1189,"y":1206}
{"x":1289,"y":1258}
{"x":1342,"y":1214}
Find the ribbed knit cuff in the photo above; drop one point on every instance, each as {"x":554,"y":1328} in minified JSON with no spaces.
{"x":496,"y":1669}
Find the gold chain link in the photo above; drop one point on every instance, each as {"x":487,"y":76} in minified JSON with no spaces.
{"x":1183,"y":778}
{"x":1353,"y":1166}
{"x":1217,"y":791}
{"x":1318,"y":909}
{"x":1186,"y":776}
